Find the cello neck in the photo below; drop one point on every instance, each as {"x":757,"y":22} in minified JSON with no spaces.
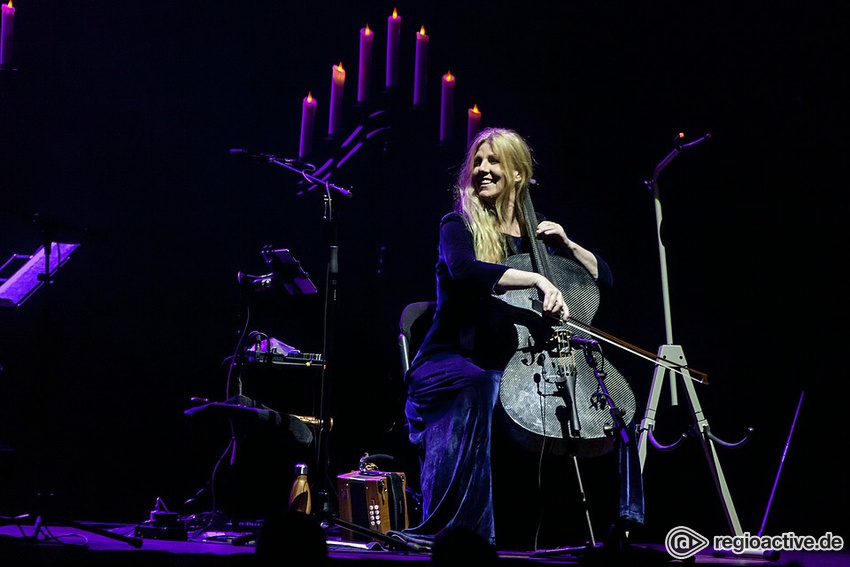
{"x":539,"y":255}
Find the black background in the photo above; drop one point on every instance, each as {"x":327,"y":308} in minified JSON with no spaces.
{"x":116,"y":126}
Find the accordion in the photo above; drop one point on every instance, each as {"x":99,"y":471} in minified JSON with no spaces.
{"x":374,"y":500}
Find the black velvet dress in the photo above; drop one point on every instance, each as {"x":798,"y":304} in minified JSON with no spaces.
{"x":453,"y":390}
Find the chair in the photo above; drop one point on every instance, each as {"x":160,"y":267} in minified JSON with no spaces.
{"x":414,"y":323}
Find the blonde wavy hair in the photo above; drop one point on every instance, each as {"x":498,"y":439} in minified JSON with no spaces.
{"x":484,"y":220}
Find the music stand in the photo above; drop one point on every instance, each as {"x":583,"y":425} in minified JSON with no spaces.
{"x":21,"y":275}
{"x":31,"y":272}
{"x":288,"y":270}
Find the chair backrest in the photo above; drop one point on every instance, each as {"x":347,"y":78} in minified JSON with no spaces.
{"x":414,"y":323}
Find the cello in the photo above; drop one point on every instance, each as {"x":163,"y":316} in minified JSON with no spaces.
{"x":548,"y":393}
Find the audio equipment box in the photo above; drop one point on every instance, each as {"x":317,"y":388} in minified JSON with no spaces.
{"x":374,"y":500}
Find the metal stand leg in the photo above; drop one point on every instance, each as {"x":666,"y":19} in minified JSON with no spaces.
{"x":708,"y":440}
{"x":647,"y":426}
{"x":584,"y":502}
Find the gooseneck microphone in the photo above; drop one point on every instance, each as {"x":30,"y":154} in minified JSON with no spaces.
{"x":295,"y":165}
{"x":245,"y":155}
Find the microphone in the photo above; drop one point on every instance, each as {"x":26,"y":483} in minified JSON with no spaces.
{"x":581,"y":342}
{"x":695,"y":142}
{"x":245,"y":155}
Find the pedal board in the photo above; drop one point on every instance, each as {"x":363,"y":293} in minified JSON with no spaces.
{"x":164,"y":526}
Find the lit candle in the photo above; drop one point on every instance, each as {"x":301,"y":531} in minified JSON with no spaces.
{"x":7,"y":24}
{"x":337,"y":87}
{"x":308,"y":117}
{"x":420,"y":77}
{"x":473,"y":122}
{"x":366,"y":36}
{"x":447,"y":102}
{"x":393,"y":39}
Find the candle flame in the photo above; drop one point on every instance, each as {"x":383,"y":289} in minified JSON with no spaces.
{"x":310,"y":96}
{"x":367,"y":31}
{"x":10,"y":3}
{"x":395,"y":13}
{"x":475,"y":109}
{"x":339,"y":67}
{"x":422,"y":30}
{"x":449,"y":77}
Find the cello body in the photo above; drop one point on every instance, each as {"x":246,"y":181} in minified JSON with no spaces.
{"x":531,"y":392}
{"x":550,"y":393}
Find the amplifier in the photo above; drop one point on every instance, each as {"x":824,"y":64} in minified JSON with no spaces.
{"x":373,"y":499}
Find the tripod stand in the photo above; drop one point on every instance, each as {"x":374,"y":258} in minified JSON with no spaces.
{"x":673,"y":353}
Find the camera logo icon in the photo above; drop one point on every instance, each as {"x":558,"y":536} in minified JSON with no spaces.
{"x":683,"y":542}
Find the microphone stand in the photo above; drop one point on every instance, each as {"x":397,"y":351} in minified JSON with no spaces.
{"x":331,"y":218}
{"x":669,"y":351}
{"x":674,"y":352}
{"x":326,"y":513}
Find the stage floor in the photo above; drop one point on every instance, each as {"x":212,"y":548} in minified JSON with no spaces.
{"x":95,"y":544}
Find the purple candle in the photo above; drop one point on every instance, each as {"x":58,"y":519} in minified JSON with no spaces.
{"x":447,"y":102}
{"x":473,"y":123}
{"x":366,"y":36}
{"x":337,"y":87}
{"x":7,"y":25}
{"x":393,"y":39}
{"x":308,"y":117}
{"x":420,"y":77}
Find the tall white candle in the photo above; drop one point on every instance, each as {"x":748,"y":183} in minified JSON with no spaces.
{"x":473,"y":123}
{"x":447,"y":106}
{"x":337,"y":88}
{"x":393,"y":40}
{"x":7,"y":26}
{"x":365,"y":70}
{"x":420,"y":77}
{"x":308,"y":118}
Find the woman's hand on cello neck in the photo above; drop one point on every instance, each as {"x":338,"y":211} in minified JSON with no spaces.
{"x":554,"y":235}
